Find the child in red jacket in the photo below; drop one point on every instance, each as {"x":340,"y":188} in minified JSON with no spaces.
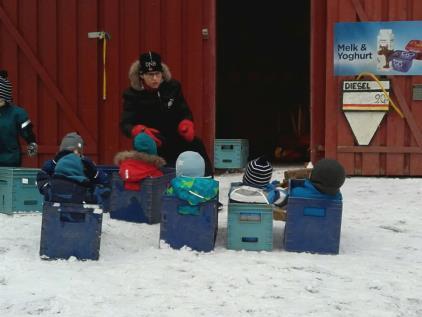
{"x":140,"y":163}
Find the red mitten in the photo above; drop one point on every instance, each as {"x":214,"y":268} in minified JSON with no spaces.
{"x":153,"y":133}
{"x":186,"y":130}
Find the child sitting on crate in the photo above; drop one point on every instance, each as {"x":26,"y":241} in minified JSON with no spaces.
{"x":73,"y":143}
{"x":256,"y":186}
{"x":190,"y":185}
{"x":140,"y":163}
{"x":69,"y":183}
{"x":327,"y":176}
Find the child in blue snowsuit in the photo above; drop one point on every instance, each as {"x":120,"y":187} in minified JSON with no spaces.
{"x":14,"y":122}
{"x":72,"y":143}
{"x":190,"y":184}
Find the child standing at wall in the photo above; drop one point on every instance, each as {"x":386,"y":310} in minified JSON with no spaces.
{"x":14,"y":122}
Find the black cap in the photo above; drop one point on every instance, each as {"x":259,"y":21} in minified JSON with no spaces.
{"x":328,"y":176}
{"x":150,"y":62}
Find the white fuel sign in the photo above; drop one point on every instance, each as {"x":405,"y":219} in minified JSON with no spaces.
{"x":365,"y":104}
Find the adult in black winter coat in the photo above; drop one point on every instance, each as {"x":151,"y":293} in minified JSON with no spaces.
{"x":154,"y":104}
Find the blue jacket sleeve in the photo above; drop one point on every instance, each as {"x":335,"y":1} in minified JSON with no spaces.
{"x":94,"y":174}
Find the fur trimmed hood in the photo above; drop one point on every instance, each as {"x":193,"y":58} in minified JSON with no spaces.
{"x":135,"y":81}
{"x":156,"y":160}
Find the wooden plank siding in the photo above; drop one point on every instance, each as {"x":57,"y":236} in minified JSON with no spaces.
{"x":57,"y":71}
{"x":396,"y":148}
{"x":57,"y":74}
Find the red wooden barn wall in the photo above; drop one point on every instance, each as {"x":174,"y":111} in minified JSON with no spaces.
{"x":56,"y":70}
{"x":57,"y":73}
{"x":396,"y":149}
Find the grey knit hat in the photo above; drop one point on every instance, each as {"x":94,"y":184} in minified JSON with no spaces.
{"x":258,"y":173}
{"x":5,"y":87}
{"x":328,"y":176}
{"x":72,"y":141}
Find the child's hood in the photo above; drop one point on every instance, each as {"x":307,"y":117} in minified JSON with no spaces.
{"x":156,"y":160}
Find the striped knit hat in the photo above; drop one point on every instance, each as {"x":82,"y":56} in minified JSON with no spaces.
{"x":258,"y":173}
{"x":5,"y":87}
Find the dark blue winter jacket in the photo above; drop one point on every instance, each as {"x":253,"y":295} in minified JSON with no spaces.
{"x":308,"y":190}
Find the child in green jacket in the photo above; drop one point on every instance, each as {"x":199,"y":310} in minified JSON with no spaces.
{"x":14,"y":122}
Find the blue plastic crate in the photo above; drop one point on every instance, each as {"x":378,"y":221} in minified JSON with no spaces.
{"x":109,"y":170}
{"x":231,"y":153}
{"x":401,"y":61}
{"x":143,"y":206}
{"x":312,"y":225}
{"x":70,"y":230}
{"x":18,"y":190}
{"x":250,"y":227}
{"x":195,"y":231}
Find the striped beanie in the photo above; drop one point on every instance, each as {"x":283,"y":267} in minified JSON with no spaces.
{"x":5,"y":87}
{"x":258,"y":173}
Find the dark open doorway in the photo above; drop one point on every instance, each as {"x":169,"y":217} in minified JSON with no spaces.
{"x":263,"y":56}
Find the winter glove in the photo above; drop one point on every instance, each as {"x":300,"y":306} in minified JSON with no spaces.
{"x":32,"y":149}
{"x":153,"y":133}
{"x":186,"y":130}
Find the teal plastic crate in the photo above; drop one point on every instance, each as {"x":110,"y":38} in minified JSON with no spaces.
{"x":18,"y":190}
{"x":250,"y":227}
{"x":231,"y":153}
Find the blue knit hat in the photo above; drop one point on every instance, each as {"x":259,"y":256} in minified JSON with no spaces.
{"x":71,"y":167}
{"x":5,"y":87}
{"x":190,"y":164}
{"x":144,"y":143}
{"x":258,"y":173}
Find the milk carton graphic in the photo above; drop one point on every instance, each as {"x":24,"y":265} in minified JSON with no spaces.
{"x":385,"y":47}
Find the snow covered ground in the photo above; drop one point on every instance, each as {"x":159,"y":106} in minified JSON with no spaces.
{"x":377,"y":273}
